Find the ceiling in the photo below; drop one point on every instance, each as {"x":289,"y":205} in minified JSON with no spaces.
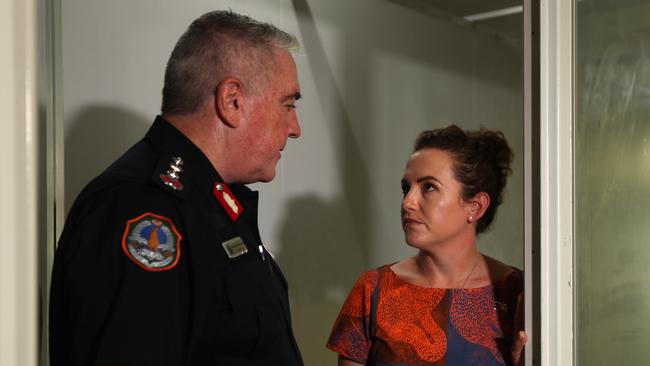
{"x":462,"y":8}
{"x":501,"y":16}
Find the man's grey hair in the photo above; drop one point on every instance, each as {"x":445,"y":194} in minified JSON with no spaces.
{"x":216,"y":45}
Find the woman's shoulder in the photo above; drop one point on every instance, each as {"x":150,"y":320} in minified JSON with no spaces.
{"x":505,"y":275}
{"x":371,"y":277}
{"x":405,"y":269}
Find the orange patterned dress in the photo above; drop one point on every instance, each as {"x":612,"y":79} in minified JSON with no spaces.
{"x":388,"y":321}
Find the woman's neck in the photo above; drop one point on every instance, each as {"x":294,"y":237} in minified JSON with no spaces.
{"x":454,"y":269}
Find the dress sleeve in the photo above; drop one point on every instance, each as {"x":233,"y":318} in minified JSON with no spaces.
{"x":351,"y":334}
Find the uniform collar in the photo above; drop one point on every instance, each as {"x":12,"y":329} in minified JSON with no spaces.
{"x":197,"y":168}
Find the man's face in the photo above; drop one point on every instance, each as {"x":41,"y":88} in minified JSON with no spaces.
{"x":271,"y":119}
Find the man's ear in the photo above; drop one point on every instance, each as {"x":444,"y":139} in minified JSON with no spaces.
{"x":478,"y":204}
{"x":228,"y":101}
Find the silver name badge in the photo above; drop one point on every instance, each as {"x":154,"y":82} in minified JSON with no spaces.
{"x":234,"y":247}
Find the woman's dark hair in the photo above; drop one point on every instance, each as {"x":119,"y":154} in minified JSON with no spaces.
{"x":481,"y":162}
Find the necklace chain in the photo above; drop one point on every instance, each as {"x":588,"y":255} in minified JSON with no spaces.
{"x":471,"y":271}
{"x":469,"y":274}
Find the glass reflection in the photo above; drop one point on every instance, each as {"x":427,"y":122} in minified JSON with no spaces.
{"x":612,"y":177}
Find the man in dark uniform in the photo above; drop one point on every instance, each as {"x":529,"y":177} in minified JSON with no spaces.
{"x":161,"y":261}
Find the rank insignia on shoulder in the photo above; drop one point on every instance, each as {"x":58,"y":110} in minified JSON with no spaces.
{"x":152,"y":242}
{"x":227,"y":200}
{"x":172,"y":177}
{"x":234,"y":247}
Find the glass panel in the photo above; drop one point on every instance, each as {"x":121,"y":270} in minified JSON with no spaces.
{"x":612,"y":177}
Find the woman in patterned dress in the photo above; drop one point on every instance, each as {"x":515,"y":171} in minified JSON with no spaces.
{"x":449,"y":304}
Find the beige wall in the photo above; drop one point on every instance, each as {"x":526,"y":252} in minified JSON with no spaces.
{"x":373,"y":75}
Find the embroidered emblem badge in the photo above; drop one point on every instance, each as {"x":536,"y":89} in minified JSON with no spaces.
{"x":227,"y":200}
{"x":152,"y":242}
{"x":171,"y":178}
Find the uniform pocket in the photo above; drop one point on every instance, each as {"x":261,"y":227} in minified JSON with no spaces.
{"x":233,"y":325}
{"x":233,"y":331}
{"x":273,"y":328}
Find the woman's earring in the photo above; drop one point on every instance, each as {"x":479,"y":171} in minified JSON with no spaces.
{"x":470,"y":218}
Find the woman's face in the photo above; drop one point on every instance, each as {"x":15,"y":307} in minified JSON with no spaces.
{"x":433,"y":211}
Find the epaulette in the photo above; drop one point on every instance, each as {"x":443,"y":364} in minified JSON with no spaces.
{"x":168,"y":175}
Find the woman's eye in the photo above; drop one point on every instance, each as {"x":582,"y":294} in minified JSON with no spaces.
{"x":428,"y":187}
{"x":405,"y":190}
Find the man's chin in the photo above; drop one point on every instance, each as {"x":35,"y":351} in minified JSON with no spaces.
{"x":260,"y":177}
{"x":266,"y":178}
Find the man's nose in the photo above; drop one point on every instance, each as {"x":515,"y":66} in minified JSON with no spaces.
{"x":294,"y":127}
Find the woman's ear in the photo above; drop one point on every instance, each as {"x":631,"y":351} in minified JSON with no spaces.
{"x":228,"y":99}
{"x":477,"y":206}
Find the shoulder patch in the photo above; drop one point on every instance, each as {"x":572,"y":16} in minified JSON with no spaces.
{"x":152,"y":242}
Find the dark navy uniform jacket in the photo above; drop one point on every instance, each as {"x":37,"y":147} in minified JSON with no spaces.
{"x":203,"y":309}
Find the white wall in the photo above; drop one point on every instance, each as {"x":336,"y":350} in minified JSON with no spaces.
{"x":18,"y":194}
{"x":373,"y":75}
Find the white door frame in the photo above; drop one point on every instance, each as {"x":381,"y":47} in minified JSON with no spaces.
{"x":557,"y":24}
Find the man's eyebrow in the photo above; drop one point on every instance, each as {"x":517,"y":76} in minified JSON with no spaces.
{"x":294,"y":96}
